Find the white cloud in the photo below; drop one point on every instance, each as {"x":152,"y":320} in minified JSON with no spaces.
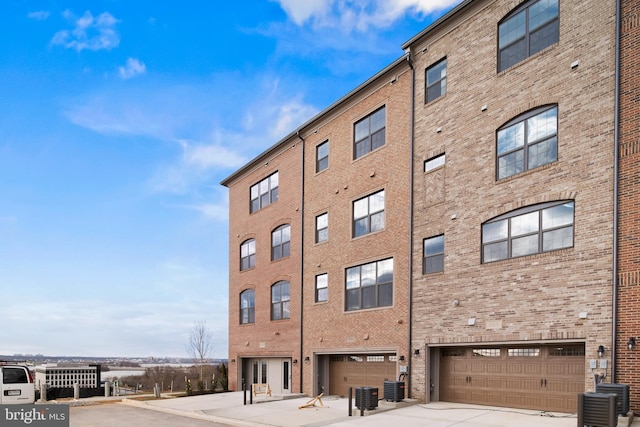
{"x":349,"y":15}
{"x":132,"y":68}
{"x":93,"y":33}
{"x":39,"y":15}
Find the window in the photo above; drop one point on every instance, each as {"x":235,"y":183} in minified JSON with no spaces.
{"x":529,"y":141}
{"x":433,"y":249}
{"x":248,"y":254}
{"x":247,"y":306}
{"x":322,"y":227}
{"x":264,"y":193}
{"x":369,"y":133}
{"x":526,"y":31}
{"x":322,"y":156}
{"x":281,"y":242}
{"x":368,"y":214}
{"x":322,"y":287}
{"x":369,"y":285}
{"x":436,"y":81}
{"x":434,"y":162}
{"x":280,"y":301}
{"x":527,"y":231}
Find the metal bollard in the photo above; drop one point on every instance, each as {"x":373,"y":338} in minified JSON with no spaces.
{"x":76,"y":391}
{"x":244,"y":392}
{"x":107,"y":386}
{"x":43,"y":392}
{"x":350,"y":400}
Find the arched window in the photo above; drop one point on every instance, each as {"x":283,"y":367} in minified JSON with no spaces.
{"x":529,"y":230}
{"x":248,"y":254}
{"x":527,"y":142}
{"x":280,"y":298}
{"x":248,"y":306}
{"x":527,"y":30}
{"x":281,"y":242}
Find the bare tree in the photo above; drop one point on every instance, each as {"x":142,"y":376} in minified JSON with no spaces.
{"x":199,"y":345}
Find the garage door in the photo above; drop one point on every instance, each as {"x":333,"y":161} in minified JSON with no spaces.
{"x":547,"y":378}
{"x":370,"y":370}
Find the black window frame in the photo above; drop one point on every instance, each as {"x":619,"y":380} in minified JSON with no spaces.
{"x":433,"y":254}
{"x":322,"y":163}
{"x":502,"y":246}
{"x":322,"y":233}
{"x":282,"y":249}
{"x":280,"y":300}
{"x":526,"y":50}
{"x":259,"y":199}
{"x":369,"y":217}
{"x":435,"y":162}
{"x":527,"y":145}
{"x":439,"y":81}
{"x":248,"y":313}
{"x":365,"y":144}
{"x":321,"y":290}
{"x":360,"y":292}
{"x":250,"y":258}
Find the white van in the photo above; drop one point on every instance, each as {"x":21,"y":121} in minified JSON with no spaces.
{"x":16,"y":385}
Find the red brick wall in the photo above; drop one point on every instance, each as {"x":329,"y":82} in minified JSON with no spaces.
{"x":628,"y":371}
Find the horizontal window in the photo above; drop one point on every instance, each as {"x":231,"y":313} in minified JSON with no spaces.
{"x":434,"y":162}
{"x":369,"y":285}
{"x":527,"y":231}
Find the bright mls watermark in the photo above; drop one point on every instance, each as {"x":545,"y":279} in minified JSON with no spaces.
{"x":34,"y":415}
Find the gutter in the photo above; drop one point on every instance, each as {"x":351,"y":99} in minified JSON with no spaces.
{"x":300,"y":358}
{"x":616,"y":137}
{"x":411,"y":183}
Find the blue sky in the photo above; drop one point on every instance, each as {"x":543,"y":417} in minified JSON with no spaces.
{"x":119,"y":119}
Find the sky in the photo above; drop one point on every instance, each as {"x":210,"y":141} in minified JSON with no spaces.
{"x":118,"y":121}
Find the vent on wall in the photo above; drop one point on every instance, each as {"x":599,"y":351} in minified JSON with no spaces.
{"x":622,"y":395}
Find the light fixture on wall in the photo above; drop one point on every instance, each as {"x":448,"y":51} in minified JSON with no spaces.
{"x":295,"y":362}
{"x":233,"y":360}
{"x":631,"y":343}
{"x":416,"y":352}
{"x":402,"y":358}
{"x":306,"y":359}
{"x":600,"y":350}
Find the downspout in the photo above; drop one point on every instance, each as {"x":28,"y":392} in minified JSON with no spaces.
{"x":300,"y":359}
{"x":411,"y":155}
{"x":616,"y":136}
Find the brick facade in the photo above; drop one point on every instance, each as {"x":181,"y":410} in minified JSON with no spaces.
{"x":629,"y":202}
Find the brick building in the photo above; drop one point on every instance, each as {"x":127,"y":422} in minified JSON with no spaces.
{"x":628,"y":332}
{"x":452,"y":219}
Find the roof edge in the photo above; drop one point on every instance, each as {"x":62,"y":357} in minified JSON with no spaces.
{"x":436,"y":24}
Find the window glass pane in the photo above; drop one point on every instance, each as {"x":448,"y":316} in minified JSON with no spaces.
{"x":513,"y":54}
{"x":244,"y":250}
{"x":557,"y":216}
{"x":543,"y":153}
{"x":512,"y":29}
{"x":323,"y":235}
{"x":264,"y":186}
{"x":376,"y":202}
{"x":557,"y":239}
{"x":434,"y":264}
{"x":495,"y":251}
{"x":369,"y":297}
{"x":254,"y":192}
{"x":378,"y":120}
{"x":377,"y":222}
{"x":385,"y":295}
{"x":511,"y":164}
{"x":524,"y":245}
{"x":542,"y":125}
{"x":286,"y":312}
{"x":323,"y":295}
{"x":323,"y":150}
{"x":286,"y":234}
{"x":362,"y":148}
{"x":361,"y":227}
{"x":385,"y":271}
{"x":543,"y":37}
{"x":437,"y":72}
{"x":361,"y":208}
{"x":541,"y":12}
{"x":434,"y":245}
{"x":362,"y":129}
{"x":525,"y":224}
{"x":322,"y":281}
{"x":434,"y":163}
{"x":510,"y":138}
{"x":497,"y":230}
{"x":368,"y":274}
{"x":353,"y":277}
{"x":277,"y":238}
{"x":274,"y":180}
{"x":377,"y":139}
{"x":434,"y":92}
{"x":353,"y":299}
{"x":286,"y":249}
{"x":322,"y":221}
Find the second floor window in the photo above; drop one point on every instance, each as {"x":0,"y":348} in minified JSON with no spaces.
{"x":248,"y":306}
{"x":368,"y":214}
{"x":322,"y":156}
{"x":322,"y":287}
{"x":280,"y":299}
{"x":436,"y":80}
{"x":369,"y":133}
{"x":526,"y":31}
{"x":529,"y":230}
{"x":248,"y":254}
{"x":369,"y":285}
{"x":433,"y":253}
{"x":528,"y":141}
{"x":322,"y":227}
{"x":281,"y":242}
{"x":264,"y":193}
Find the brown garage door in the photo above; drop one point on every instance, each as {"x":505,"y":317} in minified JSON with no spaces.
{"x":370,"y":370}
{"x":547,"y":378}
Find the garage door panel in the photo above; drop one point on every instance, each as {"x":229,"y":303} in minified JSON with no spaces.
{"x":347,"y":371}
